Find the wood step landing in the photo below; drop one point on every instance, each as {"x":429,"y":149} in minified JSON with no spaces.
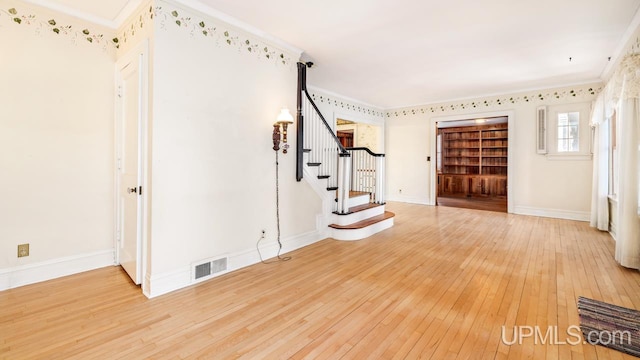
{"x":364,"y":223}
{"x":358,"y":193}
{"x":355,"y":209}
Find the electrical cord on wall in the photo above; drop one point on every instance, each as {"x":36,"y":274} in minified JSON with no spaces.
{"x":280,"y":258}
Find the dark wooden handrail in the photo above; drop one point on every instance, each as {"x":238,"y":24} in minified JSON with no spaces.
{"x":329,"y":129}
{"x":302,"y":87}
{"x":367,"y":150}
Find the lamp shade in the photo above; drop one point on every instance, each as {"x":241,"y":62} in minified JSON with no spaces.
{"x":285,"y":116}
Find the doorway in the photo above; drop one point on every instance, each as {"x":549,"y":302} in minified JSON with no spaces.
{"x":353,"y":133}
{"x":472,"y":163}
{"x":346,"y":138}
{"x":131,"y":116}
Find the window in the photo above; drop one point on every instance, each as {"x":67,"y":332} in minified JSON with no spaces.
{"x":568,"y":132}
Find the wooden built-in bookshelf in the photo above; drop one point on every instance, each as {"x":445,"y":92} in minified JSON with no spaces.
{"x":473,"y":160}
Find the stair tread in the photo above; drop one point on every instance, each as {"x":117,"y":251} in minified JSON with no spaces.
{"x":366,"y":222}
{"x":355,"y":209}
{"x":358,"y":193}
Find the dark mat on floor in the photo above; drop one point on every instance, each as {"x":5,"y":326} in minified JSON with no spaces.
{"x":610,"y":325}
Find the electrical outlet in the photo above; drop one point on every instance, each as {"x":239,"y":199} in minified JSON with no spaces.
{"x":23,"y":250}
{"x":264,"y":232}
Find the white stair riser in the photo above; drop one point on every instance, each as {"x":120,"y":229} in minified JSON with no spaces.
{"x":357,"y":216}
{"x":357,"y":234}
{"x":359,"y":200}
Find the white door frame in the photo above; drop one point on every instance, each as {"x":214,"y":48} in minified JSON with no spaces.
{"x":142,"y":50}
{"x":510,"y":114}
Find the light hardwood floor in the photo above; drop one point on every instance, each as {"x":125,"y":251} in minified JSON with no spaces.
{"x":440,"y":284}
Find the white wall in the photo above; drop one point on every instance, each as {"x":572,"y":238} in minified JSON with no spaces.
{"x":407,"y":147}
{"x":541,"y":186}
{"x":213,"y":169}
{"x":56,"y":145}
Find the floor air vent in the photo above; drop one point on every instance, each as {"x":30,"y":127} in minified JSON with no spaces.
{"x":219,"y":265}
{"x":203,"y":270}
{"x":208,"y":268}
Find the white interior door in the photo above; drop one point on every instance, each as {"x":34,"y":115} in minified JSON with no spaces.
{"x":130,"y":105}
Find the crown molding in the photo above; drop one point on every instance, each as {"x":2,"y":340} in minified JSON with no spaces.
{"x":74,"y":13}
{"x":618,"y":53}
{"x":317,"y":89}
{"x":126,"y":12}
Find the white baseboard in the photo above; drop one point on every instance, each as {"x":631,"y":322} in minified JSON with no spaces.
{"x":553,"y":213}
{"x":164,"y":283}
{"x":409,"y":199}
{"x":170,"y":281}
{"x":50,"y":269}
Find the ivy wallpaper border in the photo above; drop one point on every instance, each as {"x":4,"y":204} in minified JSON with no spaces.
{"x":324,"y":99}
{"x":18,"y":17}
{"x":223,"y":36}
{"x":498,"y":101}
{"x":15,"y":16}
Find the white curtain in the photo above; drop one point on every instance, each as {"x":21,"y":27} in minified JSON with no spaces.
{"x":600,"y":183}
{"x":627,"y":79}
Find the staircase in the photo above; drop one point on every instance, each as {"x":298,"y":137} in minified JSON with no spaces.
{"x":349,"y":180}
{"x":364,"y":220}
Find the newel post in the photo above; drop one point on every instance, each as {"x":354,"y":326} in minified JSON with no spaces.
{"x":380,"y":175}
{"x":344,"y":177}
{"x":302,"y":81}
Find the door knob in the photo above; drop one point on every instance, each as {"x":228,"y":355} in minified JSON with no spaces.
{"x":132,"y":190}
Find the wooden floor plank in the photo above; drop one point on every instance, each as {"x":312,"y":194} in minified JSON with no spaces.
{"x":442,"y":283}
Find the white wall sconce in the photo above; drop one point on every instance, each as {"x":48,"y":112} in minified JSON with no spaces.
{"x":283,"y":120}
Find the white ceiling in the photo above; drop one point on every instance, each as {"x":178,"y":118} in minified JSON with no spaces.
{"x":104,"y":9}
{"x":408,"y":52}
